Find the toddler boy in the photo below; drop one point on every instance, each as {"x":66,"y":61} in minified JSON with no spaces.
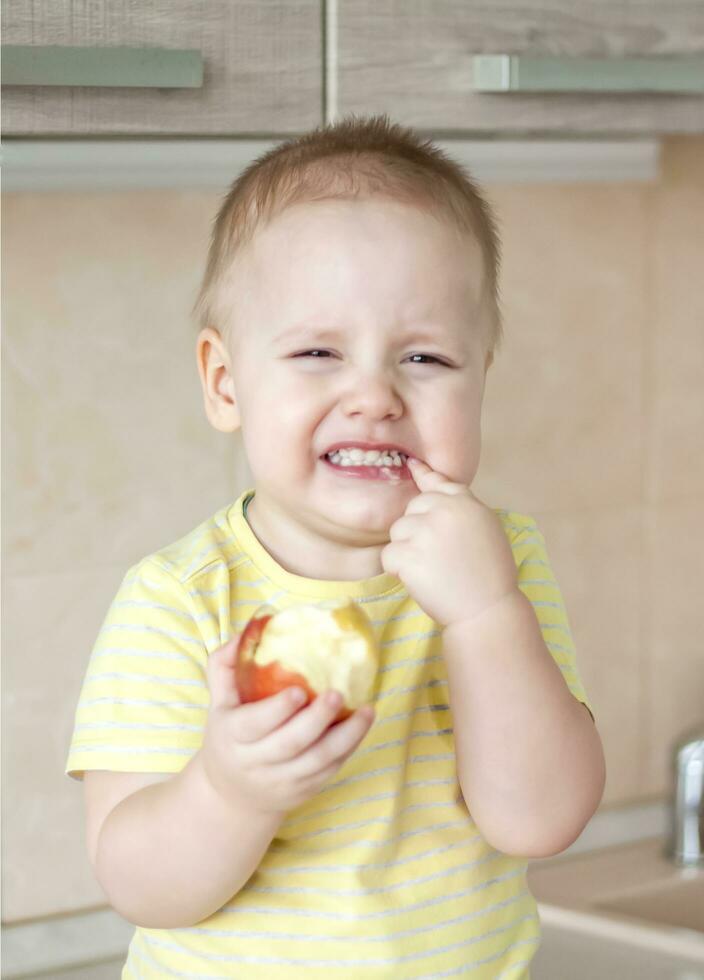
{"x":347,"y":319}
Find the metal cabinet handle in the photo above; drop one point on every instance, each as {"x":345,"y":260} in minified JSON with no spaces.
{"x":119,"y":67}
{"x":519,"y":73}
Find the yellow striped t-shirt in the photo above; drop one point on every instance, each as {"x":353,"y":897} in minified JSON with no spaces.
{"x":383,"y":874}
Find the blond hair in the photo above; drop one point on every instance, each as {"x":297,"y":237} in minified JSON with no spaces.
{"x":345,"y":159}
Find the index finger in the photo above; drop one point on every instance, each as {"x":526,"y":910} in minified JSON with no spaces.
{"x":220,"y":672}
{"x":427,"y":478}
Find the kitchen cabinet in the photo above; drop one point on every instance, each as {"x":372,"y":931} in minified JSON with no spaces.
{"x":262,"y":67}
{"x":415,"y":60}
{"x":264,"y":73}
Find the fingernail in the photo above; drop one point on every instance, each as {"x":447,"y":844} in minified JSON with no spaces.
{"x":298,"y":696}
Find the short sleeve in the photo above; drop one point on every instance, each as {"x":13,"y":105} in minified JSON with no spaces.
{"x":144,"y":699}
{"x":537,"y":582}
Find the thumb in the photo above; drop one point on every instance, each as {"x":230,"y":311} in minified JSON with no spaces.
{"x":221,"y":675}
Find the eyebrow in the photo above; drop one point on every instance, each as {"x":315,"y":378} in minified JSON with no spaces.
{"x":304,"y":331}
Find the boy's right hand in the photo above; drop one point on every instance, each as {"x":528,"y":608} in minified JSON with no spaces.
{"x":272,"y":754}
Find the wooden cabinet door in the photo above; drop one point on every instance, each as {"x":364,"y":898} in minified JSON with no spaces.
{"x":262,"y":70}
{"x":414,"y":60}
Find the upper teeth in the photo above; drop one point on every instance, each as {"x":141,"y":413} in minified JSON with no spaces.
{"x":361,"y":457}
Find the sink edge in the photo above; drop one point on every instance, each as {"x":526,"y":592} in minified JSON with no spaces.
{"x":668,"y":939}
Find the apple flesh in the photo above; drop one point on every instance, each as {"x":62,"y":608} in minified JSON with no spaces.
{"x":317,"y":647}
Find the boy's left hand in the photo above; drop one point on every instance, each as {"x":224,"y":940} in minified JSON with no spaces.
{"x":449,"y":549}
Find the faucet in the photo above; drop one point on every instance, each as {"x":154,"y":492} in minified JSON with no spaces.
{"x":686,"y":844}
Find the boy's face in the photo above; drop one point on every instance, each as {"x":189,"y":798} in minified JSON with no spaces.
{"x":358,"y":282}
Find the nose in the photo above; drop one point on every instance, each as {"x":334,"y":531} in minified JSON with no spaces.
{"x":372,"y":394}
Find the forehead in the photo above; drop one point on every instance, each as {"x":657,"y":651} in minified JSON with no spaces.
{"x":350,"y":222}
{"x":370,"y":257}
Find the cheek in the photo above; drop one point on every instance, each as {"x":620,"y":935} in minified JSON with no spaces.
{"x":279,"y":431}
{"x":455,"y":417}
{"x":455,"y":429}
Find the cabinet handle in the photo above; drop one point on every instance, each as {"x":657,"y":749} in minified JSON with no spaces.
{"x":118,"y":67}
{"x":519,"y":73}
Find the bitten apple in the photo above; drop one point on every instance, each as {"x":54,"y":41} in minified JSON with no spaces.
{"x":326,"y":645}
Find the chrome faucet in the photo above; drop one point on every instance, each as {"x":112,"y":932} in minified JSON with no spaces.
{"x":686,"y":844}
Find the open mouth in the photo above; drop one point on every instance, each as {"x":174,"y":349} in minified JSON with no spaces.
{"x":389,"y":467}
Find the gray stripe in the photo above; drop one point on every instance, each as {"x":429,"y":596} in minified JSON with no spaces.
{"x":132,"y":750}
{"x":505,"y":974}
{"x":167,"y":561}
{"x":262,"y":581}
{"x":163,"y":655}
{"x":410,"y":636}
{"x":199,"y":561}
{"x":402,"y":715}
{"x":135,"y":652}
{"x":558,"y":646}
{"x":411,"y":662}
{"x":413,"y":614}
{"x":250,"y":603}
{"x":147,"y":604}
{"x":521,"y":528}
{"x":404,"y":741}
{"x":454,"y":971}
{"x":326,"y":912}
{"x":352,"y":868}
{"x":540,"y":540}
{"x":395,"y":596}
{"x":376,"y":820}
{"x":258,"y":601}
{"x":141,"y":703}
{"x":377,"y":961}
{"x":135,"y":725}
{"x":554,"y":626}
{"x":146,"y":679}
{"x":254,"y":584}
{"x":361,"y":801}
{"x":164,"y":970}
{"x":142,"y":628}
{"x":380,"y":772}
{"x":409,"y":689}
{"x":359,"y":939}
{"x":378,"y":890}
{"x":465,"y":824}
{"x":543,"y":602}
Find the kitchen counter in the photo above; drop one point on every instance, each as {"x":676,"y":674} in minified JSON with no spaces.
{"x":618,"y":912}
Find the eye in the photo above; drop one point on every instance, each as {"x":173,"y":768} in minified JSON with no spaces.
{"x":306,"y":353}
{"x":430,"y":357}
{"x":326,"y":353}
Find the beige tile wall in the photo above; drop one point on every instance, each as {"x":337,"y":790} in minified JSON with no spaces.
{"x":593,"y":417}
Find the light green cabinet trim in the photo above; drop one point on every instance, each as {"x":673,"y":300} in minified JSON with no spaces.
{"x":519,"y":73}
{"x":117,"y":67}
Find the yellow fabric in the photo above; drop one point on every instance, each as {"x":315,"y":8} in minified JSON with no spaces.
{"x":383,"y":874}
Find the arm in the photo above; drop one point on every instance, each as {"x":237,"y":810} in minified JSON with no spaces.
{"x":173,"y":852}
{"x":529,"y":758}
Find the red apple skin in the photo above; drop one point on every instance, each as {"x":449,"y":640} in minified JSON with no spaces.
{"x":256,"y":682}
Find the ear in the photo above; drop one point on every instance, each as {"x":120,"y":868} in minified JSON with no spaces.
{"x":215,"y":371}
